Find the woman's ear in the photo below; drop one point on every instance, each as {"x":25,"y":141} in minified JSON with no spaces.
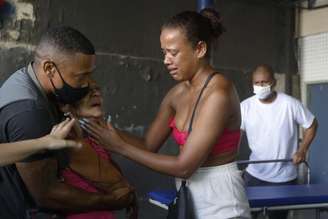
{"x":201,"y":49}
{"x":66,"y":108}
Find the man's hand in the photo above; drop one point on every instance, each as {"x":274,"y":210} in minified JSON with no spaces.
{"x":299,"y":157}
{"x":308,"y":137}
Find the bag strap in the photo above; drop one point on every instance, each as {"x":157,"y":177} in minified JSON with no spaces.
{"x":183,"y":183}
{"x":198,"y":99}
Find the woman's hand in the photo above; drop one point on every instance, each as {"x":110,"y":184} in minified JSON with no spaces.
{"x":62,"y":129}
{"x":104,"y":134}
{"x":56,"y":139}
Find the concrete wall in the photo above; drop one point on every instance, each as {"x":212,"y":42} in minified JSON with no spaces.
{"x":129,"y":65}
{"x":17,"y":23}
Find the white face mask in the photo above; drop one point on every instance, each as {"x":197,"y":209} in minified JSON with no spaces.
{"x":262,"y":92}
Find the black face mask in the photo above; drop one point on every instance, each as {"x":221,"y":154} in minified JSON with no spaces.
{"x":68,"y":94}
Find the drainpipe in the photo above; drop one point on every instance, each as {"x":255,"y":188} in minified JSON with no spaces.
{"x":201,"y":4}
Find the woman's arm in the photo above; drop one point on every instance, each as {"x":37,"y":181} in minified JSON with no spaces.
{"x":209,"y":124}
{"x":158,"y":131}
{"x":16,"y":151}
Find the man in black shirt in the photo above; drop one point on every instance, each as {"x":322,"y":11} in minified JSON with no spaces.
{"x":63,"y":62}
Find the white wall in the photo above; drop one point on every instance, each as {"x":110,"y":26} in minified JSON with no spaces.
{"x":312,"y":21}
{"x":313,"y":47}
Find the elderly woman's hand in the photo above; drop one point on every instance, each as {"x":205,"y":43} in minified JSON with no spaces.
{"x":104,"y":134}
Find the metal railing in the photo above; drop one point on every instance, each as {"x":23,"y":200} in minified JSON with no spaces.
{"x":244,"y":162}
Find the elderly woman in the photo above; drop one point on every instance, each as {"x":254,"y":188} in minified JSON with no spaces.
{"x":91,"y":167}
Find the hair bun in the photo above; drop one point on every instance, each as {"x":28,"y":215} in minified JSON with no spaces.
{"x":215,"y":20}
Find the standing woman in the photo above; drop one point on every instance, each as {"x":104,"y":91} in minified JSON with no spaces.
{"x":203,"y":115}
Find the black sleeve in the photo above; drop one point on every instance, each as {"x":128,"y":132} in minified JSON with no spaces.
{"x":30,"y":123}
{"x":26,"y":120}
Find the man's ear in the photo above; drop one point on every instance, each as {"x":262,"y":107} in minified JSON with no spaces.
{"x":274,"y":83}
{"x":49,"y":68}
{"x":201,"y":49}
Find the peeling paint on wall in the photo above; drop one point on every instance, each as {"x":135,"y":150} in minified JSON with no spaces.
{"x":13,"y":34}
{"x":24,"y":10}
{"x":128,"y":56}
{"x":19,"y":22}
{"x":138,"y":130}
{"x":14,"y":44}
{"x":16,"y":34}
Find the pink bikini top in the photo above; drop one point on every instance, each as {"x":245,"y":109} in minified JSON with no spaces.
{"x":75,"y":179}
{"x":101,"y":151}
{"x":228,"y":141}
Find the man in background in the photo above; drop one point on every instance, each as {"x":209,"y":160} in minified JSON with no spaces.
{"x":270,"y":120}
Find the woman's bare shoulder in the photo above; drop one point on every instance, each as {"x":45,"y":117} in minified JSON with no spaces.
{"x":177,"y":91}
{"x":220,"y":84}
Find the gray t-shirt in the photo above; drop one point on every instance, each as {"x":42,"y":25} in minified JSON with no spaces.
{"x":25,"y":113}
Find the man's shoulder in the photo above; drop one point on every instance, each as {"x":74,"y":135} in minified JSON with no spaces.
{"x":287,"y":98}
{"x":19,"y":73}
{"x":17,"y":87}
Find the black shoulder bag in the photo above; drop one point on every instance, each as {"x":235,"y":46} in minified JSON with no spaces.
{"x":182,"y":206}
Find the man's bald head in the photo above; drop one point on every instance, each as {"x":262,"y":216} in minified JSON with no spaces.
{"x":264,"y":69}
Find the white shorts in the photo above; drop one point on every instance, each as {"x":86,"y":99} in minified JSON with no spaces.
{"x":218,"y":192}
